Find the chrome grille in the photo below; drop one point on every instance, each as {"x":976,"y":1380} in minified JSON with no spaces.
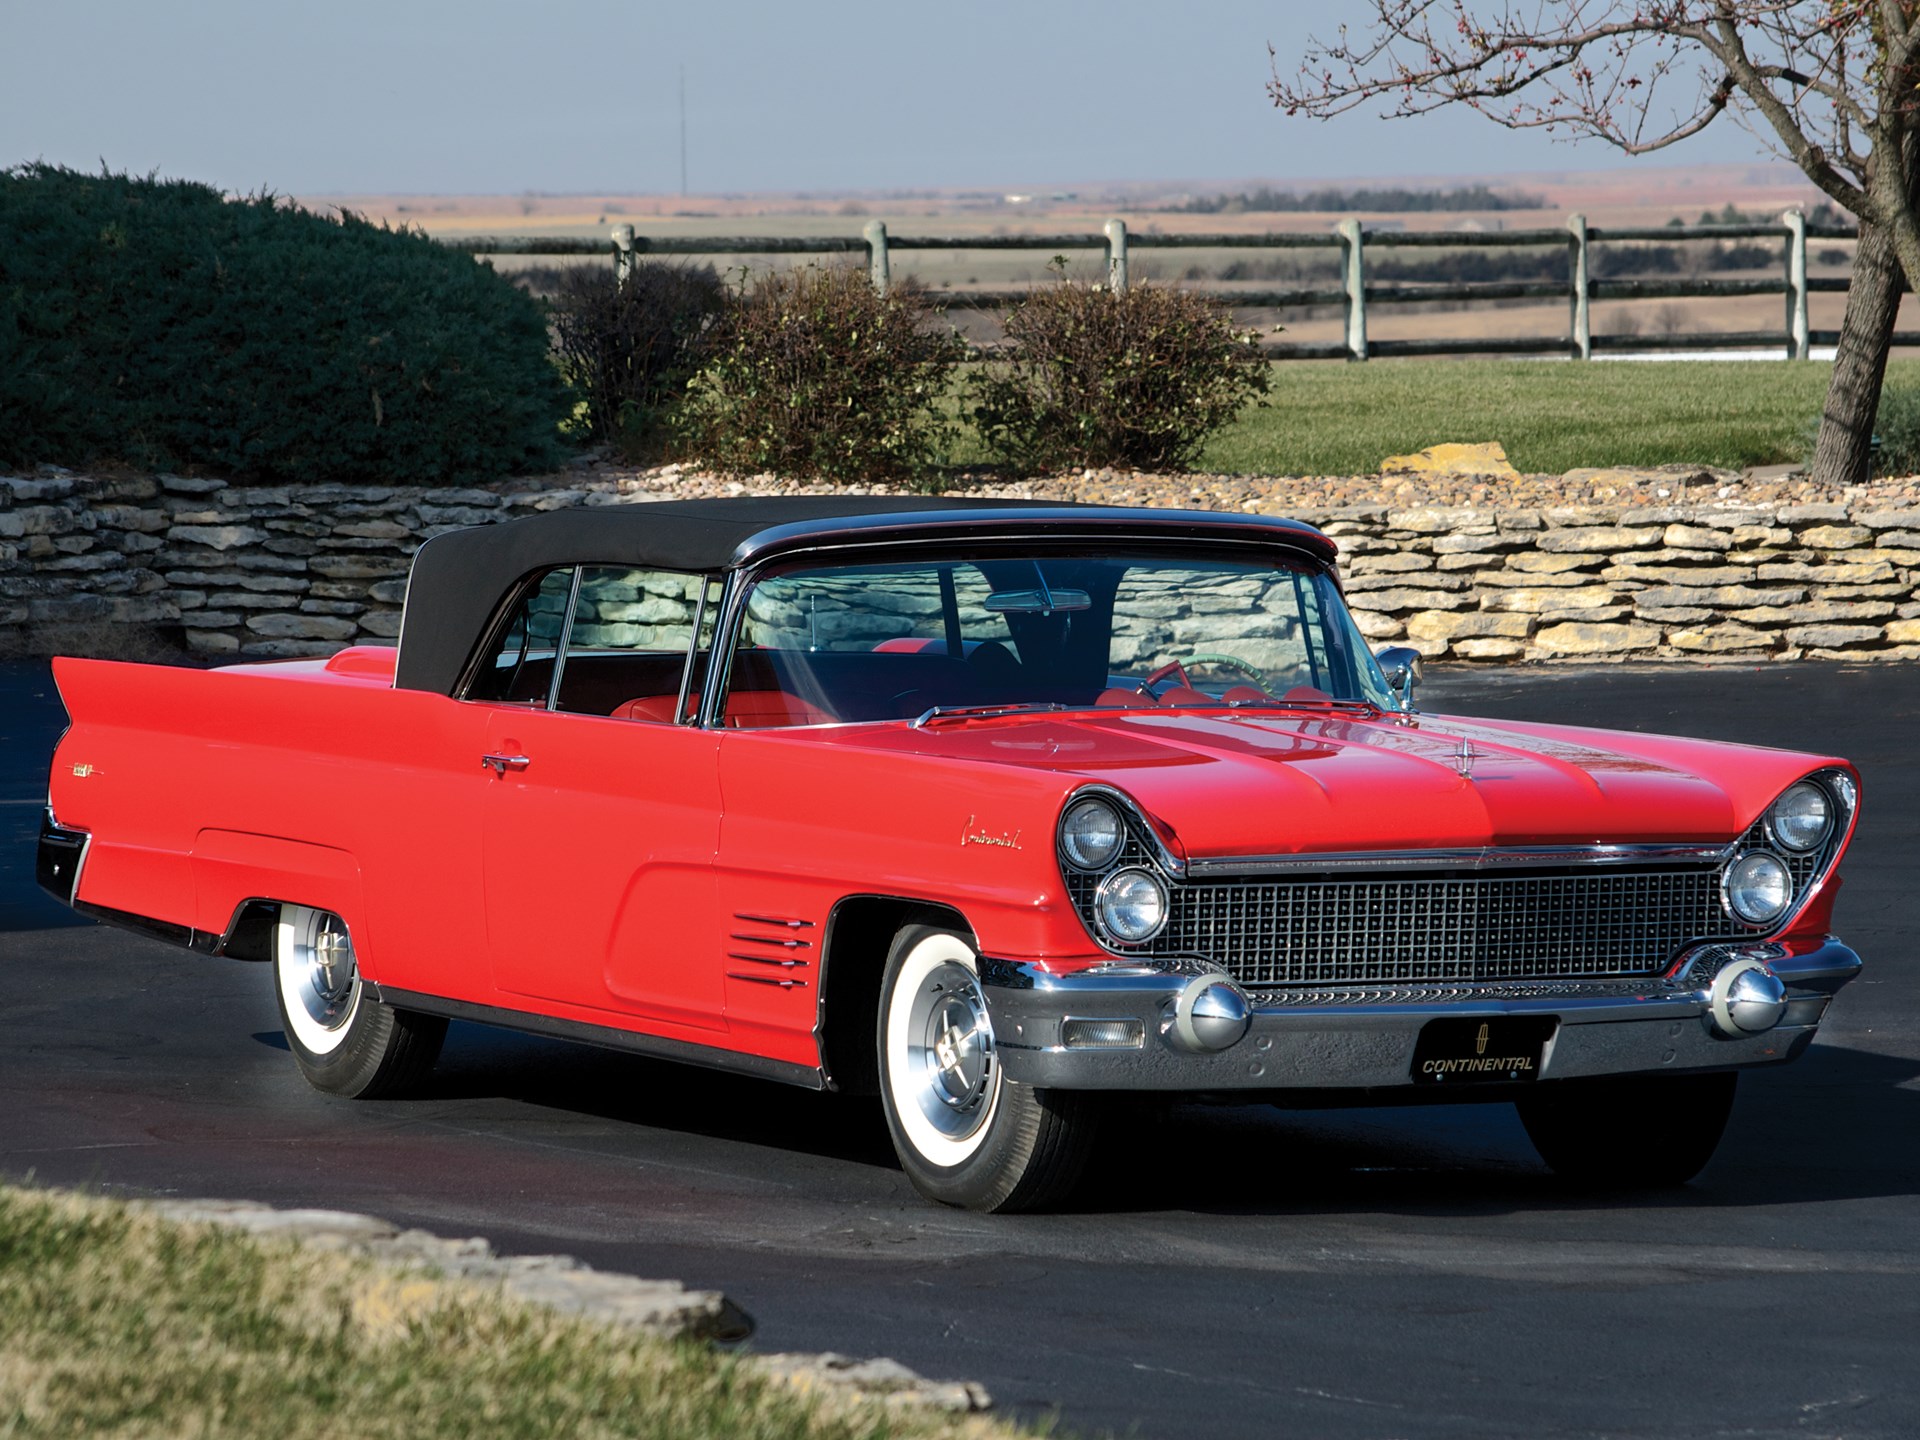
{"x":1427,"y":928}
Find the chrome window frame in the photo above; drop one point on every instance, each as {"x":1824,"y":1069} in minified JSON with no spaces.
{"x":839,"y":548}
{"x":517,"y":594}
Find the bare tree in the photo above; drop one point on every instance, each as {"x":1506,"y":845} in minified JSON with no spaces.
{"x":1833,"y":84}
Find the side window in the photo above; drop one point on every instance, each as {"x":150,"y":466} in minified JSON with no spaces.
{"x":519,"y":667}
{"x":626,"y":652}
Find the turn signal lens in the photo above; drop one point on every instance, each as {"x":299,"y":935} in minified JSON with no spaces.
{"x":1801,"y":818}
{"x":1758,"y":888}
{"x":1132,"y":905}
{"x":1090,"y":834}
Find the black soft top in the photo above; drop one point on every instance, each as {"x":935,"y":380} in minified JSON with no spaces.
{"x":460,"y":578}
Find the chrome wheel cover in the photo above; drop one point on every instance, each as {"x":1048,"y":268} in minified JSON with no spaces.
{"x":942,"y":1077}
{"x":319,"y":981}
{"x":952,"y":1058}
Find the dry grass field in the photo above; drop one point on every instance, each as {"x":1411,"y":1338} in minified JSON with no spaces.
{"x":1639,"y":195}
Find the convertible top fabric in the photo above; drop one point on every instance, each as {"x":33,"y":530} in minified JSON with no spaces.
{"x":459,"y":578}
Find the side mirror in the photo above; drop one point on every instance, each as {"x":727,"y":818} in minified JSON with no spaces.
{"x":1401,"y":665}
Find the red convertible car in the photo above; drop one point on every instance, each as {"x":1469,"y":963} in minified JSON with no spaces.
{"x":990,"y":809}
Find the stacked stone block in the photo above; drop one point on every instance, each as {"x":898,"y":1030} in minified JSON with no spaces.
{"x":241,"y":570}
{"x":1491,"y":584}
{"x":302,"y":570}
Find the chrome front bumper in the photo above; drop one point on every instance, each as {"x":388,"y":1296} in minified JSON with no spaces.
{"x":1364,"y":1039}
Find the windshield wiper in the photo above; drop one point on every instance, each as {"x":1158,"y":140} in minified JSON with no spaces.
{"x":973,"y":712}
{"x":1276,"y":703}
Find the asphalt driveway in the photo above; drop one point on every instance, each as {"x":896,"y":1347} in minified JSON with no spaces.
{"x":1228,"y":1272}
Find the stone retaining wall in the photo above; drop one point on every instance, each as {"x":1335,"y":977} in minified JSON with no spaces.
{"x":1685,"y":581}
{"x":296,"y":570}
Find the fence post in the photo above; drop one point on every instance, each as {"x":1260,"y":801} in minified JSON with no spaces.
{"x":877,"y":266}
{"x":1353,"y":273}
{"x":1799,"y":335}
{"x":1578,"y":288}
{"x":1116,"y":255}
{"x":622,"y":253}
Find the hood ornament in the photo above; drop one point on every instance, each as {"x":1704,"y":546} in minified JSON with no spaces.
{"x":1464,"y":757}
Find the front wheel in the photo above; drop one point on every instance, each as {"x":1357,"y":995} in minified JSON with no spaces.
{"x":965,"y":1134}
{"x":345,"y":1041}
{"x":1633,"y":1132}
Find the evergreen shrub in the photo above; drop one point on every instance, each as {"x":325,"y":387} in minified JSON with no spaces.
{"x":160,"y":323}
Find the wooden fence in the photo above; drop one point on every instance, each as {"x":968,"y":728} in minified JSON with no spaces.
{"x":1354,"y":242}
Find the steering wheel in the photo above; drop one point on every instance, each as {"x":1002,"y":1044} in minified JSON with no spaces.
{"x":1231,"y":662}
{"x":1175,"y":669}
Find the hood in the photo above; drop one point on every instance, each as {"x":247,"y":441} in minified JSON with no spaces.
{"x":1247,"y":783}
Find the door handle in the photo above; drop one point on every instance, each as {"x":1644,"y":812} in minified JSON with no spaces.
{"x":501,"y":764}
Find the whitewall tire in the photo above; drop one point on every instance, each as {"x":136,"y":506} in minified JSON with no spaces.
{"x":345,"y":1041}
{"x":965,"y":1134}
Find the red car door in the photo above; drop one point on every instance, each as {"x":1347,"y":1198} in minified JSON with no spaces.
{"x":599,"y":847}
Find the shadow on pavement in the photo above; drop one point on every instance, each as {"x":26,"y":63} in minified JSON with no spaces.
{"x":1834,"y":1112}
{"x":481,"y":1062}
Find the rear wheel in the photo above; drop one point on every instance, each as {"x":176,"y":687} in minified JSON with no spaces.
{"x":1634,"y":1132}
{"x":965,"y":1134}
{"x":345,"y":1041}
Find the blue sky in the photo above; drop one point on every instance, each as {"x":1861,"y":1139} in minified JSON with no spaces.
{"x":344,"y":96}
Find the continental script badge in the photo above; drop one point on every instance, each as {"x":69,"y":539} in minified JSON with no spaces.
{"x":971,"y":833}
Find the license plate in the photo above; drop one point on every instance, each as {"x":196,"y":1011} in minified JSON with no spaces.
{"x":1503,"y":1049}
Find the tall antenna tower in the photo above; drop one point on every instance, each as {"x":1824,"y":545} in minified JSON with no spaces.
{"x":683,"y":132}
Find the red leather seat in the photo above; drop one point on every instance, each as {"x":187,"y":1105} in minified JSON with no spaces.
{"x":758,"y":709}
{"x":1186,"y":695}
{"x":746,"y":709}
{"x":656,"y":708}
{"x":1116,"y":697}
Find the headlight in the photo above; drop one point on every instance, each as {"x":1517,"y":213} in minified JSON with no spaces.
{"x":1801,"y":818}
{"x":1758,"y":888}
{"x":1090,"y":834}
{"x":1132,"y":905}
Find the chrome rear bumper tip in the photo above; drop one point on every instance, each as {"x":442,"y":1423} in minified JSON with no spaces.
{"x":1210,"y":1014}
{"x":1747,"y":999}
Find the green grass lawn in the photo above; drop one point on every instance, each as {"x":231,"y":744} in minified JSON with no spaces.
{"x":117,"y":1323}
{"x":1338,"y":419}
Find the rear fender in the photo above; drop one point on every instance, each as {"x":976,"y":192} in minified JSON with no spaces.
{"x":232,"y":868}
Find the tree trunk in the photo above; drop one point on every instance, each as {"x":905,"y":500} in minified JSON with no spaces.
{"x":1842,"y":453}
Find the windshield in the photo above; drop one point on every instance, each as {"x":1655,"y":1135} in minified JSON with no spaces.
{"x":902,"y":639}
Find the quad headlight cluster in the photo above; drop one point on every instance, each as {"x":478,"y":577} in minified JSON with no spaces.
{"x":1758,"y":884}
{"x":1130,"y":904}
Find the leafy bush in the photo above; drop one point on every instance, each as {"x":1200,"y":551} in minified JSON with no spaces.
{"x":160,"y":323}
{"x":813,"y":373}
{"x":1138,"y":378}
{"x":629,"y":347}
